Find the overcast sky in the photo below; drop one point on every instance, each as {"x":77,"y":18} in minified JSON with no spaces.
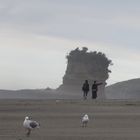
{"x":36,"y":35}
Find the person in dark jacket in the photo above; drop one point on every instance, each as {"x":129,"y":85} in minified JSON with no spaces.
{"x":85,"y":89}
{"x":95,"y":89}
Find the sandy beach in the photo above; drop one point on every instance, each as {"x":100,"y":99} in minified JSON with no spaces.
{"x":61,"y":119}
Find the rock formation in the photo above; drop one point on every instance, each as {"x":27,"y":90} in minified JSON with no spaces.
{"x":83,"y":65}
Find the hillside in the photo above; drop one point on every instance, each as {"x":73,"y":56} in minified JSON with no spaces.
{"x":37,"y":94}
{"x":124,"y":90}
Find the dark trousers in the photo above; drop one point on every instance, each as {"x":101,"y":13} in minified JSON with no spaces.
{"x":94,"y":94}
{"x":85,"y":94}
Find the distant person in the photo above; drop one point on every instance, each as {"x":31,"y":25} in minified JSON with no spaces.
{"x":85,"y":89}
{"x":95,"y":89}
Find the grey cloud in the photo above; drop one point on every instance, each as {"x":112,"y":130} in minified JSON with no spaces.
{"x":80,"y":19}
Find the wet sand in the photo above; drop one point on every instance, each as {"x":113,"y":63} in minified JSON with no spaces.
{"x":61,"y":119}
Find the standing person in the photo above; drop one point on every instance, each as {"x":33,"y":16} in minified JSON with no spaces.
{"x":95,"y":89}
{"x":85,"y":89}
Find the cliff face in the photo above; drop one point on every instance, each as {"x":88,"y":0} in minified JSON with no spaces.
{"x":83,"y":65}
{"x":124,"y":90}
